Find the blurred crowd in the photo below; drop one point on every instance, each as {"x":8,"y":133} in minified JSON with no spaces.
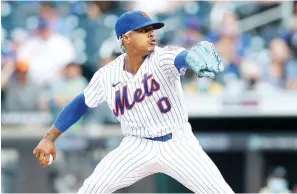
{"x":50,"y":50}
{"x":277,"y":182}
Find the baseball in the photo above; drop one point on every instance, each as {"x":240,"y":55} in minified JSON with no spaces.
{"x":50,"y":161}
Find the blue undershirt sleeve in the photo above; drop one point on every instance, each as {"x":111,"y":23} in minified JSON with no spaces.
{"x":71,"y":113}
{"x":180,"y":60}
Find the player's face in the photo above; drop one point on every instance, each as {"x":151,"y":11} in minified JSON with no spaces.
{"x":143,"y":40}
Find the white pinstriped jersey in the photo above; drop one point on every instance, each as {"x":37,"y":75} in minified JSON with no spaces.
{"x":147,"y":104}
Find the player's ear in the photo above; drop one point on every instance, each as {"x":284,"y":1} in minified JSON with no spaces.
{"x":125,"y":39}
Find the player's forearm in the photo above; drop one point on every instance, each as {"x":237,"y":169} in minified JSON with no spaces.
{"x":53,"y":133}
{"x":71,"y":113}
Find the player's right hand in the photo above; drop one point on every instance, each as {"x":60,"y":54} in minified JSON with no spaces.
{"x":44,"y":149}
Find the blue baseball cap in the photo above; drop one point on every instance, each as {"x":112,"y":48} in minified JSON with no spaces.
{"x":134,"y":20}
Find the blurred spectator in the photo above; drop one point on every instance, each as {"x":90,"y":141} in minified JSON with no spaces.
{"x":291,"y":37}
{"x":251,"y":74}
{"x":47,"y":53}
{"x":281,"y":71}
{"x":22,"y":94}
{"x":231,"y":44}
{"x":276,"y":182}
{"x":56,"y":23}
{"x":96,"y":33}
{"x":7,"y":69}
{"x":66,"y":88}
{"x":192,"y":34}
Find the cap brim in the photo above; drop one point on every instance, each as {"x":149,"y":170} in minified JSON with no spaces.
{"x":156,"y":25}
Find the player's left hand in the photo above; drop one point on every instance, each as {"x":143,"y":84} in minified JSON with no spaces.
{"x":204,"y":60}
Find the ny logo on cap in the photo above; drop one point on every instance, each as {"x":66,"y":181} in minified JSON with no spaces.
{"x":144,"y":14}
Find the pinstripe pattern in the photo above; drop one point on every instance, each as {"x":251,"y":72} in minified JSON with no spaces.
{"x":182,"y":158}
{"x":134,"y":100}
{"x":130,"y":162}
{"x":145,"y":119}
{"x":185,"y":161}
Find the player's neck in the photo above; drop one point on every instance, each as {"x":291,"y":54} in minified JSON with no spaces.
{"x":133,"y":63}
